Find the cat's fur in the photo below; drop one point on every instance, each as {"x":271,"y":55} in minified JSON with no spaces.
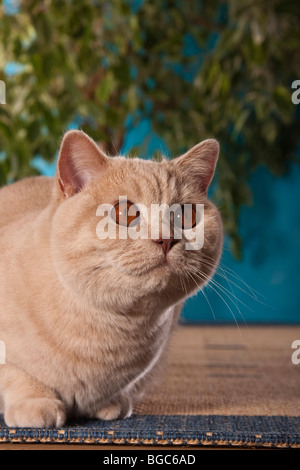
{"x":86,"y":322}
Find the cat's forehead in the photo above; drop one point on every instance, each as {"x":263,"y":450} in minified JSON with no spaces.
{"x":146,"y":180}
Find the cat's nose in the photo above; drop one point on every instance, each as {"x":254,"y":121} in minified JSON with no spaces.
{"x":166,"y":244}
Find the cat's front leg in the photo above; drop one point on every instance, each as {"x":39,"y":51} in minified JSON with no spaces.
{"x":120,"y":408}
{"x":27,"y":402}
{"x":35,"y":412}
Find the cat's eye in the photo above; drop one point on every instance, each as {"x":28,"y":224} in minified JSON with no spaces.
{"x":186,"y":216}
{"x":125,"y":213}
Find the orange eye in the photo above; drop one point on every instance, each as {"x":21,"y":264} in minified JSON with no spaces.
{"x":186,"y":216}
{"x":125,"y":213}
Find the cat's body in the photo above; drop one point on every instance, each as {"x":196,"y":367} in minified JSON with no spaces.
{"x":86,"y":322}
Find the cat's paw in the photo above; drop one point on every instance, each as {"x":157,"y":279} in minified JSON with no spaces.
{"x":36,"y":413}
{"x":115,"y":411}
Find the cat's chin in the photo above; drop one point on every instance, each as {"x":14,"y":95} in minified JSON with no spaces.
{"x":162,"y":266}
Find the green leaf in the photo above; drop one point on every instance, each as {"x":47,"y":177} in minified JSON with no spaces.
{"x":105,"y":88}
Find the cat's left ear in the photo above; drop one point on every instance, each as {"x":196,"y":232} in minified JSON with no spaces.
{"x":199,"y":163}
{"x":79,"y":161}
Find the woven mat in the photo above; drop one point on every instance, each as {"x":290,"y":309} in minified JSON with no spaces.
{"x":224,"y":386}
{"x":229,"y":371}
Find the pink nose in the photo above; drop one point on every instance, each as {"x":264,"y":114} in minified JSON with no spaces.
{"x":166,"y":244}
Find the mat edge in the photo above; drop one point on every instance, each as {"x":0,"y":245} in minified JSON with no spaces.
{"x":149,"y":442}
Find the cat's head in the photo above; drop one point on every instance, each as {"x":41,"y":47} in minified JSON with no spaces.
{"x":108,"y":246}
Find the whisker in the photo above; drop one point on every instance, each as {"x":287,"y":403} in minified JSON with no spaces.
{"x":232,"y":273}
{"x":226,"y":292}
{"x":221,"y":297}
{"x":225,"y":269}
{"x":237,"y":307}
{"x":204,"y":278}
{"x":209,"y":304}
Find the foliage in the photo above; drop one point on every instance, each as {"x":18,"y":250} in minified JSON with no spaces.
{"x":196,"y":68}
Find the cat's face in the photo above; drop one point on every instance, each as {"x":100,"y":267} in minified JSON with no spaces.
{"x":108,"y":244}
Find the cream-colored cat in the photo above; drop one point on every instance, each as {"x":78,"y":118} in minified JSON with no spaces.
{"x":86,"y":321}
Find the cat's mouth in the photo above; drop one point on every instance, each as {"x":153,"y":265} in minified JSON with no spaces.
{"x":162,"y":265}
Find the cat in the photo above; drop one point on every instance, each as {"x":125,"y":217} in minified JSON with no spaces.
{"x":86,"y":322}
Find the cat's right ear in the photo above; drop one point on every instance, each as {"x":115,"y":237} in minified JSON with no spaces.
{"x":79,"y":161}
{"x":199,"y":163}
